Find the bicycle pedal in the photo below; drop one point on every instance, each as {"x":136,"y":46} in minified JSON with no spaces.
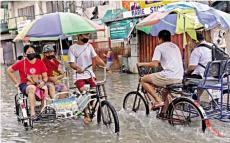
{"x":162,"y":116}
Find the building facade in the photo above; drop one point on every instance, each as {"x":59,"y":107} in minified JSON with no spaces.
{"x":15,"y":14}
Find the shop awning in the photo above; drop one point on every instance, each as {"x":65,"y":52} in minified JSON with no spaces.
{"x":111,"y":15}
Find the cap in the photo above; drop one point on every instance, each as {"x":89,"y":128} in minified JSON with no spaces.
{"x":48,"y":48}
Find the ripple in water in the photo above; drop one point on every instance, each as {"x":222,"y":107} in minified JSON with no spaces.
{"x":134,"y":127}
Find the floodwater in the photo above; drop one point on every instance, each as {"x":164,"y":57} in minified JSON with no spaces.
{"x":134,"y":127}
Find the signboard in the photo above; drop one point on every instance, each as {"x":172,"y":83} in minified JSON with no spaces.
{"x":22,"y":24}
{"x":134,"y":5}
{"x":121,"y":29}
{"x":139,"y":8}
{"x":140,"y":12}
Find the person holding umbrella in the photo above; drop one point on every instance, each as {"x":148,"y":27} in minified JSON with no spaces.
{"x":80,"y":56}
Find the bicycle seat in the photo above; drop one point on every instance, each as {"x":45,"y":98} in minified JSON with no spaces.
{"x":175,"y":86}
{"x":192,"y":81}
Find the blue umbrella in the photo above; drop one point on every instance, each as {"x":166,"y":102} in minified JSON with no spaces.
{"x":207,"y":16}
{"x":169,"y":23}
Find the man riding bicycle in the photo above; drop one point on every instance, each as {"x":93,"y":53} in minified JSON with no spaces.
{"x":33,"y":77}
{"x":80,"y":57}
{"x":168,"y":56}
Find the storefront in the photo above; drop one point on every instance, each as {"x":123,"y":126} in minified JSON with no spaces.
{"x":139,"y":45}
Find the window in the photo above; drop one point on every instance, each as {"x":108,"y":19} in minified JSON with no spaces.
{"x":61,"y":6}
{"x":27,"y":12}
{"x":88,"y":4}
{"x":55,"y":6}
{"x":71,"y":5}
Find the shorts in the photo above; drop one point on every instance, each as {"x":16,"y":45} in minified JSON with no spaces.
{"x":81,"y":82}
{"x":23,"y":87}
{"x":109,"y":64}
{"x":39,"y":93}
{"x":161,"y":81}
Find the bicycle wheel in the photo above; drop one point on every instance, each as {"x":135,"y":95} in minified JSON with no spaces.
{"x":183,"y":111}
{"x":109,"y":116}
{"x":17,"y":106}
{"x":135,"y":102}
{"x":24,"y":119}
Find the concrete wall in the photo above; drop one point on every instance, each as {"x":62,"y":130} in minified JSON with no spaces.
{"x":8,"y":54}
{"x":1,"y":55}
{"x":2,"y":13}
{"x":227,"y":38}
{"x":134,"y":54}
{"x":224,"y":42}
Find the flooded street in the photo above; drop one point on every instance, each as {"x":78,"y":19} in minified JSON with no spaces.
{"x":134,"y":127}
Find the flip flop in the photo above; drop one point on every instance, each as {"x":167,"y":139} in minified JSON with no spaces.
{"x":34,"y":118}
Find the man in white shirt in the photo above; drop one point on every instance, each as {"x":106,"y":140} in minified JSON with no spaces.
{"x":199,"y":58}
{"x":80,"y":56}
{"x":168,"y":55}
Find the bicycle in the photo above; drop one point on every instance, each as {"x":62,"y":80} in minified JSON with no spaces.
{"x":182,"y":110}
{"x":21,"y":110}
{"x":23,"y":115}
{"x":72,"y":106}
{"x":105,"y":111}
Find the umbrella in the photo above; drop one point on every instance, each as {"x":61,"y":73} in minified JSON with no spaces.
{"x":207,"y":16}
{"x":190,"y":16}
{"x":57,"y":25}
{"x":173,"y":21}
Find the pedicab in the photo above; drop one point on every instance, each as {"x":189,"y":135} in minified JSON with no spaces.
{"x":72,"y":107}
{"x":185,"y":108}
{"x":56,"y":26}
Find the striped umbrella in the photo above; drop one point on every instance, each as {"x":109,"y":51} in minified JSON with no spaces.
{"x":175,"y":21}
{"x":57,"y":25}
{"x":207,"y":16}
{"x":189,"y":17}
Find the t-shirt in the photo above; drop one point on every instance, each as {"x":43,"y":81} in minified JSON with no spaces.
{"x":52,"y":67}
{"x":26,"y":68}
{"x":82,"y":55}
{"x":170,"y":58}
{"x":201,"y":55}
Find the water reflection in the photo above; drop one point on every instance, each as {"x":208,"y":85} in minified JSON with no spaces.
{"x":135,"y":128}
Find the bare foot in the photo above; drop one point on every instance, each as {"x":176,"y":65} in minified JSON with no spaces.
{"x":87,"y":120}
{"x":110,"y":72}
{"x":43,"y":108}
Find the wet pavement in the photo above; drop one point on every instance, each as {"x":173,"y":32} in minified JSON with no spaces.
{"x":134,"y":127}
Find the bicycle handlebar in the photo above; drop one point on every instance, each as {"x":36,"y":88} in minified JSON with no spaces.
{"x":143,"y":70}
{"x":87,"y":67}
{"x":104,"y":75}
